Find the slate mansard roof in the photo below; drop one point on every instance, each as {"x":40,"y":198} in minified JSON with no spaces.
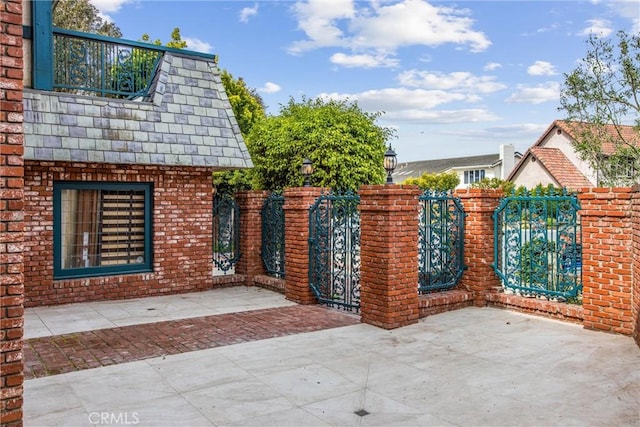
{"x":186,"y":120}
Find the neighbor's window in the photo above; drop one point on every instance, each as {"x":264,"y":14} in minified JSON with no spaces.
{"x":473,"y":176}
{"x":101,"y":229}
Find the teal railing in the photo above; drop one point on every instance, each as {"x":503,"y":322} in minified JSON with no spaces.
{"x":538,"y":249}
{"x":92,"y":64}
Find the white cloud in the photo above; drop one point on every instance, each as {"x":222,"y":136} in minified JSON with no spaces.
{"x":105,"y":7}
{"x":416,"y":22}
{"x":198,"y":45}
{"x":441,"y":116}
{"x":549,"y":91}
{"x":383,"y":27}
{"x":542,"y":68}
{"x":270,"y":87}
{"x":628,"y":9}
{"x":317,"y":18}
{"x":460,"y":80}
{"x":109,"y":6}
{"x":363,"y":61}
{"x":601,"y":27}
{"x":391,"y":99}
{"x":527,"y":130}
{"x":491,"y":66}
{"x":248,"y":12}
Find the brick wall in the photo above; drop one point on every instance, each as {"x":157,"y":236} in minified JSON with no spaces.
{"x":607,"y":258}
{"x":389,"y":254}
{"x":11,"y":213}
{"x":480,"y":277}
{"x":182,"y":239}
{"x":250,"y":262}
{"x":635,"y":291}
{"x":296,"y":245}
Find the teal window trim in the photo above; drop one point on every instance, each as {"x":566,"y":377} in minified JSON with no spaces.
{"x":69,"y":273}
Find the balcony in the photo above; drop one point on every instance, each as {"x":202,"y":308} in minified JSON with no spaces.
{"x":91,"y":64}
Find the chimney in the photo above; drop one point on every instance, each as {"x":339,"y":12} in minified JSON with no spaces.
{"x":507,"y":155}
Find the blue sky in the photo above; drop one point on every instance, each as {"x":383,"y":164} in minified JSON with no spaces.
{"x":454,"y":78}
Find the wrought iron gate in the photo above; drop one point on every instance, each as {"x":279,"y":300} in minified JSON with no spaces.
{"x":334,"y":250}
{"x":440,"y":241}
{"x":273,"y":235}
{"x":226,"y":233}
{"x":538,"y":249}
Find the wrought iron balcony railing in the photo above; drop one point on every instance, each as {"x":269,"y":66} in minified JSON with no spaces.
{"x":93,"y":64}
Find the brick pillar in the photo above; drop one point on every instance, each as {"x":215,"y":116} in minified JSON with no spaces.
{"x":479,"y":241}
{"x":635,"y":291}
{"x":607,"y":254}
{"x":250,"y":262}
{"x":389,"y":255}
{"x":11,"y":213}
{"x":297,"y":202}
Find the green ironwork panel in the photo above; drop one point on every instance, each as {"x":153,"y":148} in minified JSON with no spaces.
{"x":334,"y":250}
{"x":538,"y":247}
{"x":91,"y":64}
{"x":226,"y":233}
{"x":273,"y":235}
{"x":440,"y":241}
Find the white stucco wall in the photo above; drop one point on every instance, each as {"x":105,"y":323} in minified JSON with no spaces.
{"x":531,"y":173}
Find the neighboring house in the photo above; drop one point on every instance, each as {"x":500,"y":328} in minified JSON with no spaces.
{"x":120,"y":141}
{"x":470,"y":169}
{"x":552,"y":159}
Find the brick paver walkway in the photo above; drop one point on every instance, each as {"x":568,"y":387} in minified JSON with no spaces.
{"x":84,"y":350}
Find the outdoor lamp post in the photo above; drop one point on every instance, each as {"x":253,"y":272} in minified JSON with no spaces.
{"x":306,"y":170}
{"x":390,"y":163}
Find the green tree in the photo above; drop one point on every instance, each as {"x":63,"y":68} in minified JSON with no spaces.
{"x":81,"y":15}
{"x":248,"y":108}
{"x":494,"y":183}
{"x":599,"y":97}
{"x":344,"y":144}
{"x":435,"y":181}
{"x":176,"y":40}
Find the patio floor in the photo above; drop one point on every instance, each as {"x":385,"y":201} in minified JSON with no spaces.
{"x":469,"y":367}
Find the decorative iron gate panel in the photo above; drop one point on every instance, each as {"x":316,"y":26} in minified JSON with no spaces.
{"x":440,"y":241}
{"x":334,"y":250}
{"x":226,"y":233}
{"x":273,"y":235}
{"x":538,"y":250}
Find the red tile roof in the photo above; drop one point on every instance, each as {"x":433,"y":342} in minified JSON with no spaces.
{"x":561,"y":168}
{"x":627,"y":133}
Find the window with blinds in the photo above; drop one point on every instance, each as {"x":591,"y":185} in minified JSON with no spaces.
{"x":101,"y":228}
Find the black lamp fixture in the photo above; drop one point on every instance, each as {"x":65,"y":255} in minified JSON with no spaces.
{"x":390,"y":163}
{"x":306,"y":170}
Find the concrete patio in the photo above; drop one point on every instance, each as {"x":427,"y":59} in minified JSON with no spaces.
{"x":470,"y":367}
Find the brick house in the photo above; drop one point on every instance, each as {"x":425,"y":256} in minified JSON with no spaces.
{"x":118,"y":157}
{"x":553,"y":160}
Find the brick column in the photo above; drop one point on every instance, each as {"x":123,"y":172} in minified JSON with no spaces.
{"x":297,"y":202}
{"x":11,"y":213}
{"x":250,"y":262}
{"x":607,"y":254}
{"x":389,"y":255}
{"x":479,"y":241}
{"x":635,"y":291}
